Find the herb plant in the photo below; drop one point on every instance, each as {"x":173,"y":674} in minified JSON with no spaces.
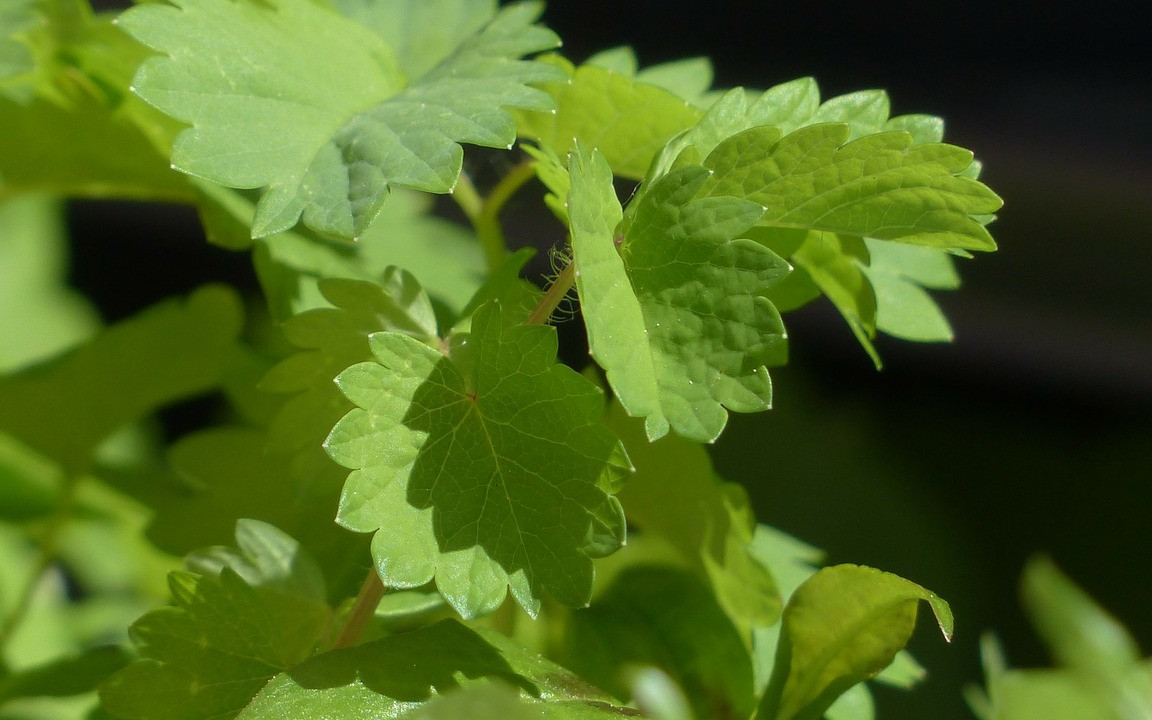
{"x":406,"y":506}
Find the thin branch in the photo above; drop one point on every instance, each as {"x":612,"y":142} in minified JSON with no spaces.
{"x":484,"y":213}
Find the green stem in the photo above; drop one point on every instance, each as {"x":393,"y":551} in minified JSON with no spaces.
{"x":366,"y":601}
{"x":553,"y":295}
{"x":484,"y":213}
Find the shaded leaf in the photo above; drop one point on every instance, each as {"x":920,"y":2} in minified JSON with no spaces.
{"x":426,"y":672}
{"x":485,"y":468}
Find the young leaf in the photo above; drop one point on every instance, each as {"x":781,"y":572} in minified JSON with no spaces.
{"x":833,"y":263}
{"x":663,"y":617}
{"x":290,"y":96}
{"x":225,"y":638}
{"x":627,"y":120}
{"x":842,"y":626}
{"x":420,"y":675}
{"x":677,"y":318}
{"x":486,"y":468}
{"x":171,"y":351}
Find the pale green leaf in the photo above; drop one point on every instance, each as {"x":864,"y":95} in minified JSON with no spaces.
{"x":172,"y":351}
{"x":666,"y":618}
{"x":39,"y":315}
{"x":842,"y":626}
{"x":207,"y":656}
{"x":620,"y":59}
{"x":678,"y":318}
{"x":313,"y":107}
{"x":627,"y":120}
{"x":863,"y":111}
{"x":422,"y":33}
{"x":674,"y":493}
{"x":483,"y":468}
{"x":899,"y":274}
{"x":424,"y":674}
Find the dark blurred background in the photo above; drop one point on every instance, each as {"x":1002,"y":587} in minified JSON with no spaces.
{"x":1031,"y":433}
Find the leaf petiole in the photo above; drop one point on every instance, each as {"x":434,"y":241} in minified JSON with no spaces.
{"x":553,"y":296}
{"x":484,"y":213}
{"x":365,"y":605}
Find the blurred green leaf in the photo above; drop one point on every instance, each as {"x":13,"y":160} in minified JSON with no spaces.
{"x":172,"y":351}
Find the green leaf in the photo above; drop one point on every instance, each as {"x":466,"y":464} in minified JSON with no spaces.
{"x":880,"y":186}
{"x":486,"y":468}
{"x":899,"y":274}
{"x":842,"y":626}
{"x":294,"y":98}
{"x":667,"y":618}
{"x":172,"y":351}
{"x":675,"y":493}
{"x":426,"y":672}
{"x":224,"y":639}
{"x":39,"y":315}
{"x":331,"y":339}
{"x":626,"y":119}
{"x":677,"y":316}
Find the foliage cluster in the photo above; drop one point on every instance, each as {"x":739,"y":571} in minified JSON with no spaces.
{"x":406,"y":506}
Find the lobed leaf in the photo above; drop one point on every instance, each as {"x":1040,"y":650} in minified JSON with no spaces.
{"x":292,"y":97}
{"x":899,"y":275}
{"x":841,"y":626}
{"x":678,"y":318}
{"x":486,"y":468}
{"x":225,"y":638}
